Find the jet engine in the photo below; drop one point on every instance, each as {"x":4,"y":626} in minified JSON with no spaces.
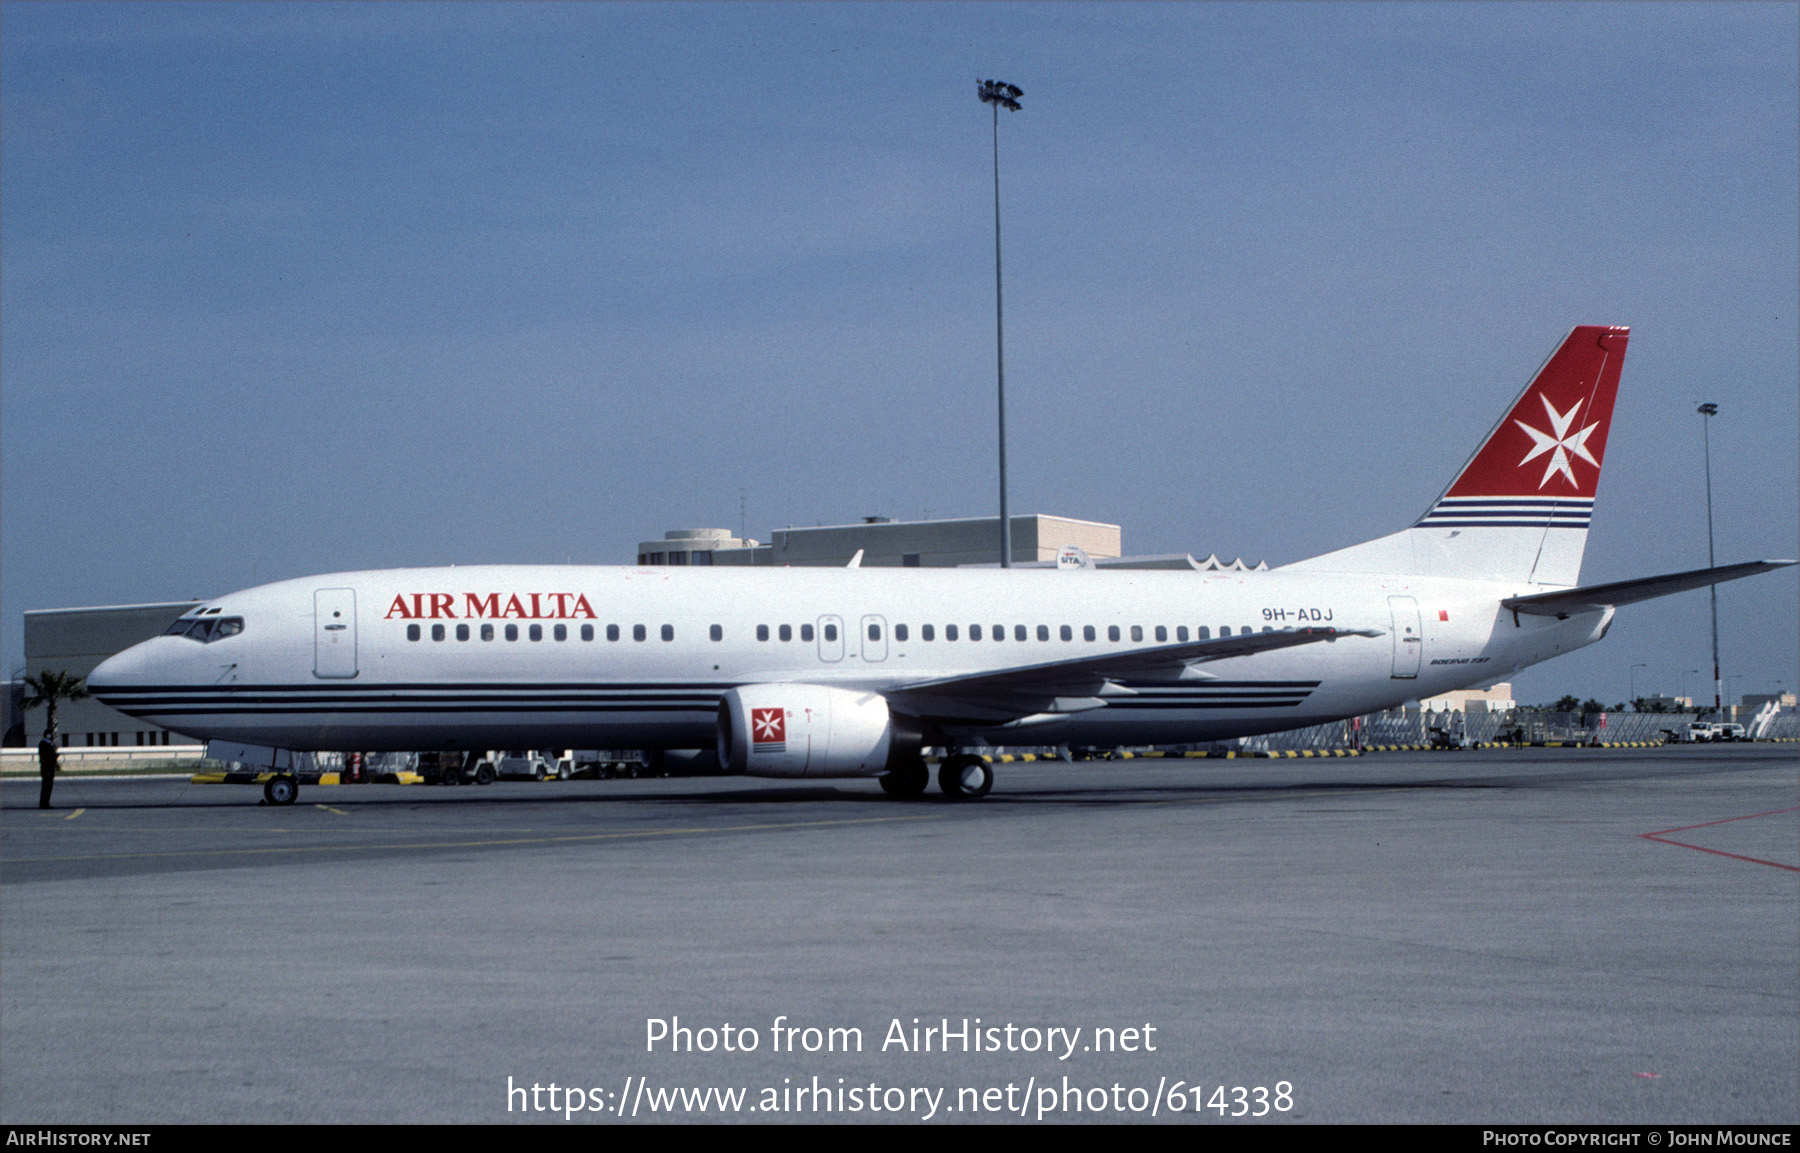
{"x":797,"y":730}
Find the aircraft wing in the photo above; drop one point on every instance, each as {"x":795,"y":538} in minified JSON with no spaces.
{"x":1082,"y":683}
{"x":1596,"y":597}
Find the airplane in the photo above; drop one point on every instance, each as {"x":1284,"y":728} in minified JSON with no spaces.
{"x":855,"y":672}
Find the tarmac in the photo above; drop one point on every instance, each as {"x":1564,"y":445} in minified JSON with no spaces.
{"x":1497,"y":936}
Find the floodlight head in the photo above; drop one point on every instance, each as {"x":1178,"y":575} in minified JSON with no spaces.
{"x":1708,"y":409}
{"x":999,"y":92}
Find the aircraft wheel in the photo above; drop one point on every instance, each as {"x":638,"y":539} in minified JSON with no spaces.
{"x":281,"y":790}
{"x":965,"y":775}
{"x":484,"y":774}
{"x":909,"y":780}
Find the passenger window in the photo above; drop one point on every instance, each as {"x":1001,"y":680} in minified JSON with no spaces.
{"x":716,"y":632}
{"x":874,"y":632}
{"x":974,"y":632}
{"x":1266,"y":629}
{"x":1043,"y":632}
{"x":612,"y":632}
{"x":786,"y":633}
{"x":1112,"y":632}
{"x":1203,"y":633}
{"x":1087,"y":632}
{"x":806,"y":632}
{"x":462,"y":632}
{"x":668,"y":632}
{"x":437,"y":632}
{"x":587,"y":632}
{"x":949,"y":632}
{"x":638,"y":633}
{"x":762,"y":632}
{"x":899,"y":632}
{"x":1162,"y":633}
{"x":560,"y":632}
{"x":1018,"y":632}
{"x":487,"y":632}
{"x":927,"y":632}
{"x":1224,"y":630}
{"x":512,"y":632}
{"x":536,"y":633}
{"x":1181,"y":632}
{"x":412,"y":632}
{"x":831,"y":632}
{"x":1067,"y":633}
{"x":1137,"y":632}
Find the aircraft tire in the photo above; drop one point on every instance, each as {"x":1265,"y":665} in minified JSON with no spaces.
{"x":974,"y":778}
{"x":907,"y":781}
{"x":484,"y":774}
{"x":281,"y":790}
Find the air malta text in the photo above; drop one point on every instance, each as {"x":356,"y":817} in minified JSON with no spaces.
{"x":533,"y":606}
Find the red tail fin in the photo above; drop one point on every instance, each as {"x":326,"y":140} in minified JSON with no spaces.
{"x":1519,"y":508}
{"x":1554,"y":439}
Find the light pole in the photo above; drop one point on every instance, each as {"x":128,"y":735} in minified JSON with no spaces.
{"x":1001,"y":95}
{"x":1707,"y":412}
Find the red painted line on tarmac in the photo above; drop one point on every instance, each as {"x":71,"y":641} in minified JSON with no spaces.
{"x":1660,"y":837}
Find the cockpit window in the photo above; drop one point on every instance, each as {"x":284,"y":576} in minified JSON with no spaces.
{"x":206,"y":629}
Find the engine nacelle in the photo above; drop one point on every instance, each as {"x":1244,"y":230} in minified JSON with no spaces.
{"x":794,"y":730}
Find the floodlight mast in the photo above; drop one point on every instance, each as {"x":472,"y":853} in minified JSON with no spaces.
{"x":1001,"y":95}
{"x":1707,"y":411}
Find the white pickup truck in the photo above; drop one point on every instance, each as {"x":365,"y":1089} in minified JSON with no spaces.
{"x":521,"y":764}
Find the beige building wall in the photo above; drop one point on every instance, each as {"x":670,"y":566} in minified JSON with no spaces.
{"x":926,"y":544}
{"x":75,"y":641}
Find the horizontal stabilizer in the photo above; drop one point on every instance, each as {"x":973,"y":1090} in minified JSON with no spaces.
{"x":1596,"y":597}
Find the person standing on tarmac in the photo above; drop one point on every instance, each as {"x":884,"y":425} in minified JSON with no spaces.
{"x":49,"y":688}
{"x":46,"y":770}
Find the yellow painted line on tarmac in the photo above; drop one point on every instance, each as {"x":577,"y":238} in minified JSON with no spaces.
{"x":329,"y":809}
{"x":687,"y":831}
{"x":74,"y":814}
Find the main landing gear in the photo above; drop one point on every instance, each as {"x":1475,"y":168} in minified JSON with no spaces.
{"x":907,"y":781}
{"x":965,"y":775}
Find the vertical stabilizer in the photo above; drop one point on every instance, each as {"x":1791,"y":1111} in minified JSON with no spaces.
{"x":1519,"y":508}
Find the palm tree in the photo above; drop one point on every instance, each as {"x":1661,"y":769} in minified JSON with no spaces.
{"x":48,"y":688}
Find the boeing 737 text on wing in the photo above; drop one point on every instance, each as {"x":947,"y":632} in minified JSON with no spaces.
{"x":853,"y":672}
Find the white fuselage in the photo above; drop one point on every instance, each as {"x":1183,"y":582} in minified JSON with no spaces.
{"x":326,"y":662}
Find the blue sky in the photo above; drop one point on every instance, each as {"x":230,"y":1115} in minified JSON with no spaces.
{"x":288,"y":289}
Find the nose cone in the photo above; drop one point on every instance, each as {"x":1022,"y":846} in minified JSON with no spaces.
{"x":123,"y":671}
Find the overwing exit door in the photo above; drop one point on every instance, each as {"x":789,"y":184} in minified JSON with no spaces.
{"x":831,"y":638}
